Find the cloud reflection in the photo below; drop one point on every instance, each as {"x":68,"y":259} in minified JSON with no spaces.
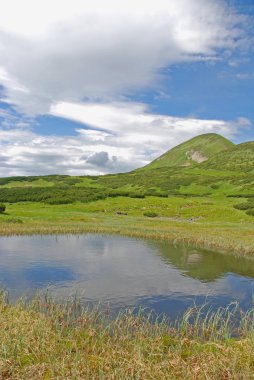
{"x":122,"y":271}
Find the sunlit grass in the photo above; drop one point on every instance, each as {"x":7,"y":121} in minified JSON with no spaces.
{"x":45,"y":340}
{"x":209,"y":222}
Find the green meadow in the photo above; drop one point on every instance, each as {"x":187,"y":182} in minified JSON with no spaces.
{"x":210,"y":222}
{"x":201,"y":194}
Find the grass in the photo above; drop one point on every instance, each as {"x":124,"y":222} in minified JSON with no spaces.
{"x":239,"y":158}
{"x":207,"y":145}
{"x":205,"y":222}
{"x":183,"y":204}
{"x":36,"y":183}
{"x":45,"y":340}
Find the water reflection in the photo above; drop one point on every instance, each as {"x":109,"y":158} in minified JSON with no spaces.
{"x":124,"y":272}
{"x":205,"y":265}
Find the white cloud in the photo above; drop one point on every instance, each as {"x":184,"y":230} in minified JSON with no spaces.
{"x":82,"y":59}
{"x":245,"y":76}
{"x":115,"y":138}
{"x":134,"y":124}
{"x":68,"y":51}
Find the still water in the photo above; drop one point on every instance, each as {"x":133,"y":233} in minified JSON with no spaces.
{"x":124,"y":272}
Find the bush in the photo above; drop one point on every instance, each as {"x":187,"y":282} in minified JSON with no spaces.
{"x":242,"y":206}
{"x":59,"y":201}
{"x":2,"y":207}
{"x":14,"y":220}
{"x":136,"y":195}
{"x":162,"y":195}
{"x":215,"y":186}
{"x":150,"y":214}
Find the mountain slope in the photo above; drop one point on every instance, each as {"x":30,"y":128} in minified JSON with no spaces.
{"x":196,"y":150}
{"x":207,"y":165}
{"x":239,"y":158}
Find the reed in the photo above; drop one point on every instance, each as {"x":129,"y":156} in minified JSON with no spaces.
{"x":41,"y":339}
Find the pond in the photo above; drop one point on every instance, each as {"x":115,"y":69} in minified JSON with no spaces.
{"x":124,"y":272}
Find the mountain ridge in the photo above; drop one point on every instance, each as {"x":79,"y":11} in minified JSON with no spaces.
{"x":207,"y":165}
{"x":196,"y":150}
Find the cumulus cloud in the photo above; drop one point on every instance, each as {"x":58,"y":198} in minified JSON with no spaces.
{"x":132,"y":124}
{"x":114,"y":138}
{"x":62,"y":51}
{"x":98,"y":159}
{"x":84,"y":60}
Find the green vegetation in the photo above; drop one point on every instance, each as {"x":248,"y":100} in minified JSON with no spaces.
{"x":246,"y":206}
{"x":2,"y":208}
{"x":200,"y":194}
{"x":198,"y":149}
{"x":150,"y":214}
{"x":194,"y":190}
{"x":208,"y":165}
{"x":239,"y":158}
{"x":45,"y":340}
{"x":209,"y":222}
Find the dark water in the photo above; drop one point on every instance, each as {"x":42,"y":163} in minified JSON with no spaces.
{"x":124,"y":272}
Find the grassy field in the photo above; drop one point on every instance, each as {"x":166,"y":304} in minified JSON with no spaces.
{"x":200,"y":193}
{"x":43,"y":340}
{"x":209,"y":222}
{"x":206,"y":145}
{"x":209,"y":204}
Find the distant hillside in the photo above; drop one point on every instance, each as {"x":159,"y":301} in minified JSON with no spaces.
{"x":239,"y":158}
{"x":207,"y":165}
{"x":196,"y":150}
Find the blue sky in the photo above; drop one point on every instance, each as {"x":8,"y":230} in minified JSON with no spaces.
{"x":109,"y":86}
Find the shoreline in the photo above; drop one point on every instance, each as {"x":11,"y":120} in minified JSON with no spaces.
{"x":206,"y":223}
{"x":177,"y":236}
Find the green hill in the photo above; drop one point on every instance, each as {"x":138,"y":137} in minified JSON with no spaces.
{"x":190,"y":194}
{"x":196,"y":150}
{"x":207,"y":165}
{"x":239,"y":158}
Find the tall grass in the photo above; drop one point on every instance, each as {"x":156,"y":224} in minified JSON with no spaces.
{"x":45,"y":340}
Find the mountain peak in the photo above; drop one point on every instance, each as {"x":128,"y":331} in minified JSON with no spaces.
{"x":194,"y":151}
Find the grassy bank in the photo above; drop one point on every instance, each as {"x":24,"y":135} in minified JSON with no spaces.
{"x":43,"y":340}
{"x":207,"y":222}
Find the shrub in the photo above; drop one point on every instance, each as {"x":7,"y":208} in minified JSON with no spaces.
{"x":136,"y":195}
{"x":242,"y":206}
{"x":162,"y":195}
{"x":150,"y":214}
{"x":2,"y":207}
{"x":215,"y":186}
{"x":59,"y":201}
{"x":14,"y":220}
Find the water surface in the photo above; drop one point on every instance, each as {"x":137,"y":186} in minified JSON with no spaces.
{"x":124,"y":272}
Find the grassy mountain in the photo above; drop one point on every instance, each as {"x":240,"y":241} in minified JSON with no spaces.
{"x":207,"y":165}
{"x":190,"y":201}
{"x":239,"y":158}
{"x":196,"y":150}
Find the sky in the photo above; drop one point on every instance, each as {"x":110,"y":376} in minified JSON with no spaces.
{"x":107,"y":86}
